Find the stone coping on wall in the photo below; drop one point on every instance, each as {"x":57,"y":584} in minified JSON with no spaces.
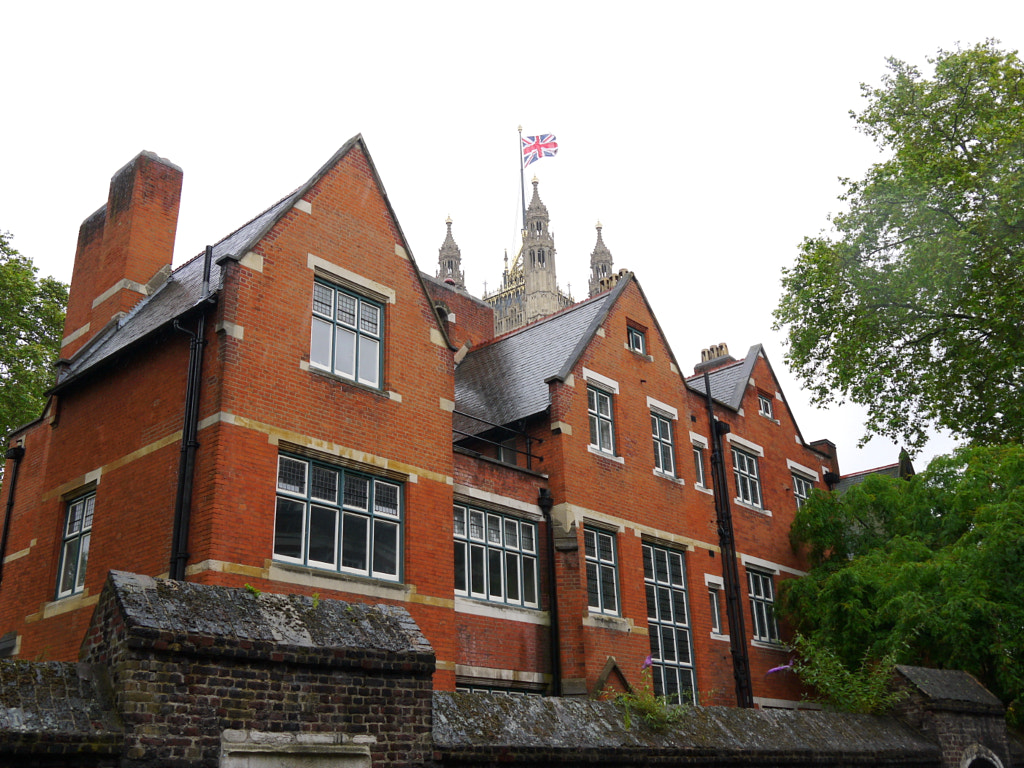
{"x":476,"y":728}
{"x":951,"y":688}
{"x":207,"y":620}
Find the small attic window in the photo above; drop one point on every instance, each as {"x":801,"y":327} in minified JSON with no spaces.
{"x":636,"y":340}
{"x":443,"y":314}
{"x":764,"y":405}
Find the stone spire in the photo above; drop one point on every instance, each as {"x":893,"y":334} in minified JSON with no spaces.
{"x":449,"y":261}
{"x":540,"y":283}
{"x":600,"y":263}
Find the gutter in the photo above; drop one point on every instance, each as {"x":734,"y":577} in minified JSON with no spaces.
{"x":15,"y":454}
{"x":546,"y":502}
{"x":189,"y":433}
{"x":727,"y":544}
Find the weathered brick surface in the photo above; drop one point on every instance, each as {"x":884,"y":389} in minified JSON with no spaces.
{"x":474,"y":320}
{"x":117,"y":431}
{"x":56,"y":713}
{"x":954,"y":709}
{"x":182,"y":675}
{"x":187,"y":662}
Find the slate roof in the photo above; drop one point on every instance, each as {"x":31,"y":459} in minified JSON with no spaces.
{"x":506,"y":380}
{"x":856,"y":478}
{"x":182,"y":291}
{"x":949,"y":685}
{"x":729,"y":382}
{"x":902,"y":469}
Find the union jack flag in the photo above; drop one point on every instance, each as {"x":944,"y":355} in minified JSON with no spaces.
{"x":536,"y":147}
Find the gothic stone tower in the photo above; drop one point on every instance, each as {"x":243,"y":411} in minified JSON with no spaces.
{"x":529,"y":289}
{"x":541,"y":287}
{"x":600,"y":264}
{"x":449,"y":261}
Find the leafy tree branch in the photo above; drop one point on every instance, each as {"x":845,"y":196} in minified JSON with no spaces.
{"x":911,"y":305}
{"x":925,"y":571}
{"x":31,"y":325}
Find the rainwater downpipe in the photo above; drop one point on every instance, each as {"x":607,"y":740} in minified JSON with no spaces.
{"x":15,"y":454}
{"x":727,"y":545}
{"x":546,"y":502}
{"x":189,"y":433}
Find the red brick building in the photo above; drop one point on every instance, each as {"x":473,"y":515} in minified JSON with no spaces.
{"x":302,"y":410}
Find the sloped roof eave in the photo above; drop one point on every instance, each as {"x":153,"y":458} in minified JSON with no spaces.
{"x":588,"y":336}
{"x":261,"y":231}
{"x":232,"y":251}
{"x":60,"y":386}
{"x":508,"y":378}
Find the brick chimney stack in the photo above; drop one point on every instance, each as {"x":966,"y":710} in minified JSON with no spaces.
{"x":125,"y":249}
{"x":714,"y":357}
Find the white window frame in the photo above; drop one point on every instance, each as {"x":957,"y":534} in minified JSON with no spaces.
{"x":699,"y":444}
{"x":507,"y":451}
{"x":761,"y":593}
{"x":602,"y":565}
{"x":764,"y":405}
{"x":76,"y":534}
{"x":716,"y":585}
{"x":598,"y":418}
{"x":801,"y":475}
{"x":664,"y":444}
{"x":636,"y":339}
{"x":668,"y":624}
{"x":698,"y":465}
{"x":300,"y":508}
{"x":802,"y":487}
{"x":364,"y":330}
{"x":716,"y":609}
{"x":498,"y":556}
{"x":747,"y":475}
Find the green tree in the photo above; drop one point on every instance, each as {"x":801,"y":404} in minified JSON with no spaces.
{"x":929,"y":569}
{"x":31,"y":325}
{"x":912,"y":305}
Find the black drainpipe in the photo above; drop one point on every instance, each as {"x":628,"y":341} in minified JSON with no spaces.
{"x":15,"y":454}
{"x":727,"y":544}
{"x":546,"y":502}
{"x":189,"y":434}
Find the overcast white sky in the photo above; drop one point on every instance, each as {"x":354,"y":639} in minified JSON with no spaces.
{"x":706,"y":137}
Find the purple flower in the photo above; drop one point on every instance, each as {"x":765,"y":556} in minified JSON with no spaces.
{"x":647,"y":663}
{"x":782,"y":668}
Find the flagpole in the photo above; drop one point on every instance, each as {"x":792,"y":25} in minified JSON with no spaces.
{"x":522,"y":180}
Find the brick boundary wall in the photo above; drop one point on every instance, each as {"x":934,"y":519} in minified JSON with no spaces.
{"x":476,"y":730}
{"x":197,"y":674}
{"x":962,"y":716}
{"x":174,"y":674}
